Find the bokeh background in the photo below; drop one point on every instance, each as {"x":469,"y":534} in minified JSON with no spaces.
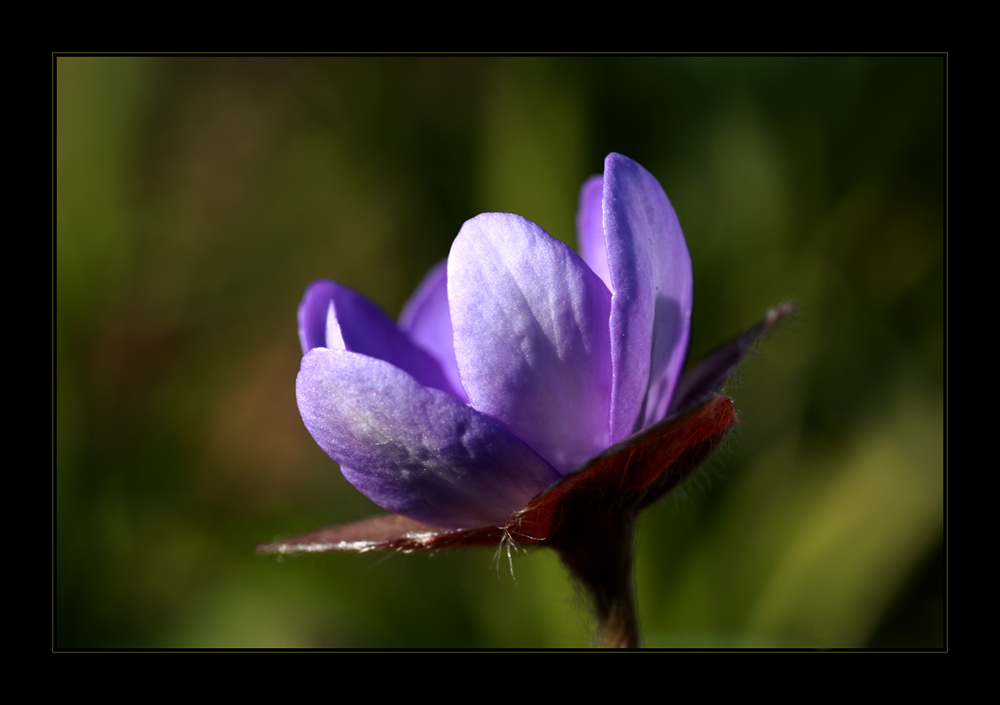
{"x":196,"y":198}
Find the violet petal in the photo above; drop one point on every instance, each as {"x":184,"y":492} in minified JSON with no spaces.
{"x":531,"y":336}
{"x":412,"y":450}
{"x":352,"y":322}
{"x":652,"y":285}
{"x":590,"y":228}
{"x":427,"y":319}
{"x":313,"y":314}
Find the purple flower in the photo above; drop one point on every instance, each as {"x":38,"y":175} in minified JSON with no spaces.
{"x":515,"y":362}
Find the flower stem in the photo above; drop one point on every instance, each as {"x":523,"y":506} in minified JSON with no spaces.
{"x":603,"y":563}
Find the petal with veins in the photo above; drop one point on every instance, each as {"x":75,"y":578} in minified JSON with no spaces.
{"x":415,"y":451}
{"x":531,"y":336}
{"x":652,"y":285}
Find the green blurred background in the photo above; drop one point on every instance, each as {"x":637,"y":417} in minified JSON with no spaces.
{"x":196,"y":198}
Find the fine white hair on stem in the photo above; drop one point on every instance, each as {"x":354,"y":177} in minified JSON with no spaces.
{"x":506,"y":541}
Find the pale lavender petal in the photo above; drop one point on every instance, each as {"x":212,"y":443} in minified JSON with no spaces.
{"x":412,"y":450}
{"x":427,"y":319}
{"x":531,"y":336}
{"x":352,"y":322}
{"x":652,"y":287}
{"x":590,"y":228}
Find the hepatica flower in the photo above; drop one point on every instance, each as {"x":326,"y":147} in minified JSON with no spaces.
{"x":528,"y":394}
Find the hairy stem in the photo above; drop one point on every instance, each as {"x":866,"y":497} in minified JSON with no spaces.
{"x":603,"y":564}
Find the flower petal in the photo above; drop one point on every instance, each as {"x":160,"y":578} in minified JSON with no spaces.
{"x":427,"y":319}
{"x":590,"y":228}
{"x":352,"y":322}
{"x":652,"y":287}
{"x":412,"y":450}
{"x":531,"y":336}
{"x":313,"y":314}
